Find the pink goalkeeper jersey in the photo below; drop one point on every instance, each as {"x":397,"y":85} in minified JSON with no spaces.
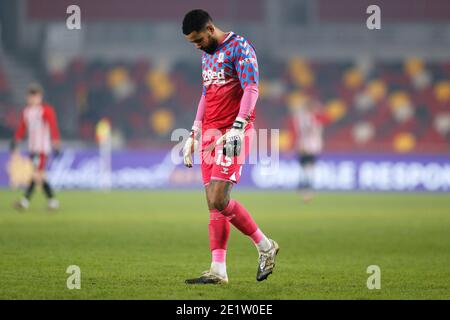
{"x":231,"y":68}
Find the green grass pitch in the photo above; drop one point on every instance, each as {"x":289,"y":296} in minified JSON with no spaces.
{"x":143,"y":245}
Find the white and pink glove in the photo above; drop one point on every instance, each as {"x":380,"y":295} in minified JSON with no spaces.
{"x":191,"y":144}
{"x":232,"y":140}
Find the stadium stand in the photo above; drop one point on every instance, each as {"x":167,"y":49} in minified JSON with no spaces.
{"x":381,"y":106}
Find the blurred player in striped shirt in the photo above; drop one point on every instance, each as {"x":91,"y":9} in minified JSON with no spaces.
{"x":308,"y":121}
{"x":39,"y":124}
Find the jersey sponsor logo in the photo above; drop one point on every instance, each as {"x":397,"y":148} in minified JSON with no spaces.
{"x":213,"y":77}
{"x":221,"y":57}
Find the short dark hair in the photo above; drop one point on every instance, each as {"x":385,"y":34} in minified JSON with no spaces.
{"x":195,"y":20}
{"x":35,"y":88}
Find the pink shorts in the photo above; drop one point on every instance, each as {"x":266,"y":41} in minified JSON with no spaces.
{"x":215,"y":166}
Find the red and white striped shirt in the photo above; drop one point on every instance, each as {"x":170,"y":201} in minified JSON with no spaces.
{"x":40,"y":123}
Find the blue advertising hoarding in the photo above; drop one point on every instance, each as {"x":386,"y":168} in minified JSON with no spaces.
{"x":157,"y":170}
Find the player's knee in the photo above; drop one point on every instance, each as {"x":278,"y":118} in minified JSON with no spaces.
{"x":220,"y":205}
{"x":218,"y":202}
{"x":36,"y":177}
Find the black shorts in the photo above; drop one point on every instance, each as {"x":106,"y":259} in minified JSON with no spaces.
{"x":306,"y":159}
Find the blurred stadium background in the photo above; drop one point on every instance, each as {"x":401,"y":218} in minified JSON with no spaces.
{"x":387,"y":91}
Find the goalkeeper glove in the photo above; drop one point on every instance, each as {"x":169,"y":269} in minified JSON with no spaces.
{"x":190,"y":146}
{"x":233,"y":139}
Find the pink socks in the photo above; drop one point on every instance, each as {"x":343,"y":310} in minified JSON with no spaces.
{"x":240,"y":218}
{"x":219,"y":232}
{"x":244,"y":222}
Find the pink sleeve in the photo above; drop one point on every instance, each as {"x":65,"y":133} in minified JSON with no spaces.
{"x":200,"y":112}
{"x":248,"y":100}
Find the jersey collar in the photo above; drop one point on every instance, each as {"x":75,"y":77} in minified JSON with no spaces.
{"x":227,"y":38}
